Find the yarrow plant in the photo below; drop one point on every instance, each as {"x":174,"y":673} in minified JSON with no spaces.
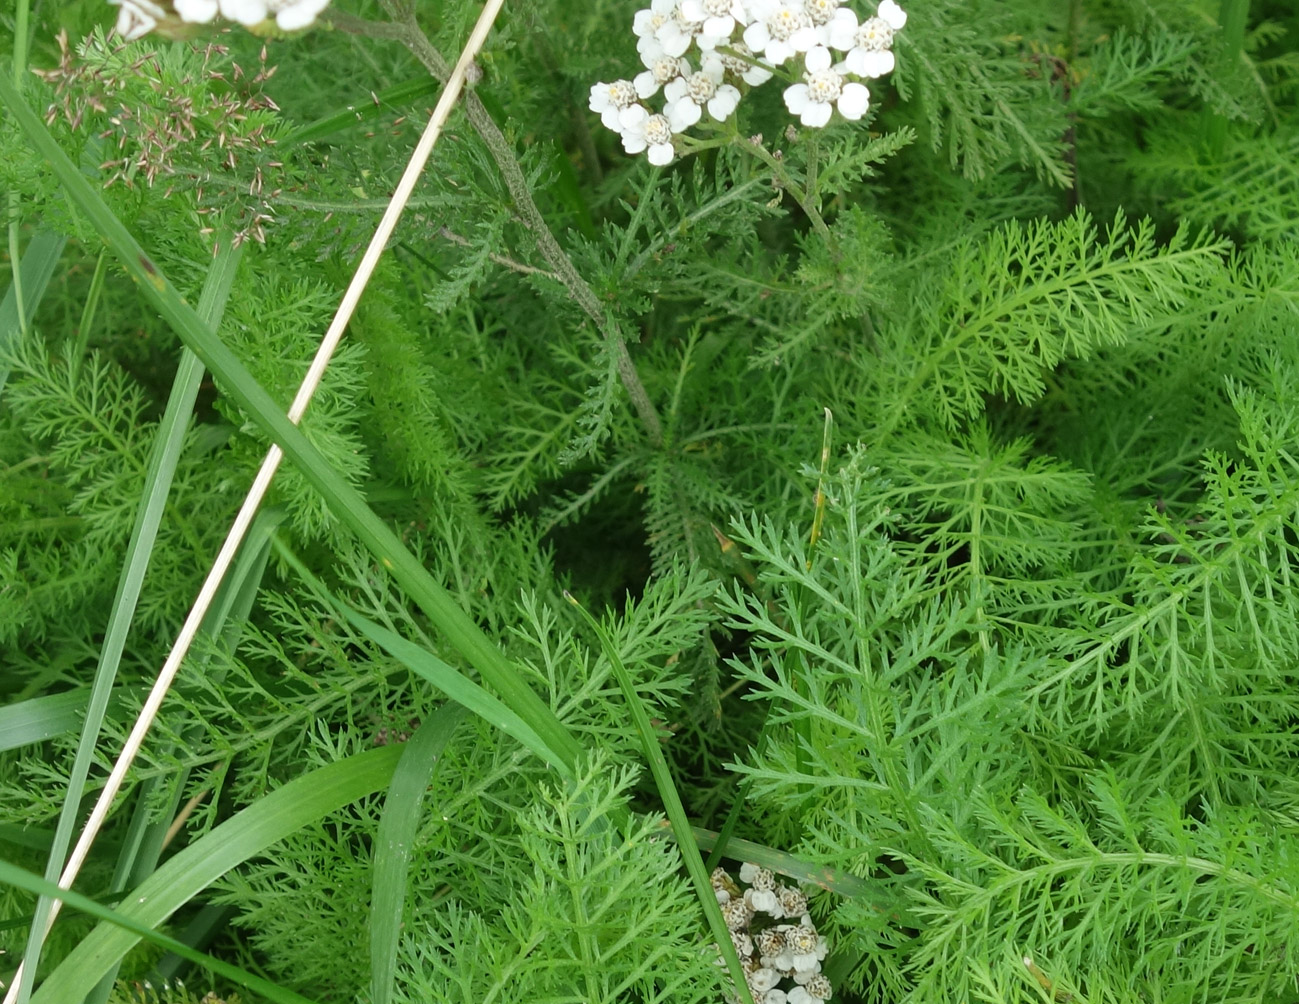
{"x":743,"y":43}
{"x":932,"y":483}
{"x":778,"y":945}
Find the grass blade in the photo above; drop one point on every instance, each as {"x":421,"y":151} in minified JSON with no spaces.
{"x":676,"y":812}
{"x":146,"y":835}
{"x":192,"y":869}
{"x":446,"y":678}
{"x":344,"y":500}
{"x":371,"y":106}
{"x":157,"y":485}
{"x":392,"y":846}
{"x":39,"y":718}
{"x":23,"y":879}
{"x":34,"y":274}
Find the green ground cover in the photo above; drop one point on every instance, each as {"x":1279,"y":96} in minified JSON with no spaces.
{"x":842,"y":507}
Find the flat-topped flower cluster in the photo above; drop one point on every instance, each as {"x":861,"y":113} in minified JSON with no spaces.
{"x":139,"y":17}
{"x":774,"y":937}
{"x":741,"y":42}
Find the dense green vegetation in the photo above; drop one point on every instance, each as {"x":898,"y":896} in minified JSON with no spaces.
{"x":932,"y":478}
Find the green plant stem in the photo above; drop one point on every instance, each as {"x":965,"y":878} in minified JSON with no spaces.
{"x":13,"y":199}
{"x":1232,"y":15}
{"x":788,"y":183}
{"x":88,"y":313}
{"x":406,"y":29}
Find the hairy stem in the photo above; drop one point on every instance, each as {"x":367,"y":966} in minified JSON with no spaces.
{"x":788,"y":183}
{"x":405,"y":28}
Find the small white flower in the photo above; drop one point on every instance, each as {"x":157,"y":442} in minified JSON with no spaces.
{"x":893,"y":14}
{"x":775,"y":997}
{"x":662,"y":69}
{"x":782,"y":959}
{"x":822,"y":11}
{"x":764,"y":901}
{"x":137,"y":18}
{"x":717,"y":20}
{"x":747,"y":871}
{"x":793,"y":901}
{"x":762,"y":980}
{"x":869,"y":54}
{"x":610,"y":100}
{"x":807,"y":947}
{"x":770,"y":942}
{"x":775,"y":23}
{"x":688,"y":94}
{"x":659,"y":27}
{"x":736,"y":913}
{"x":826,"y":18}
{"x":643,"y":131}
{"x":825,"y":89}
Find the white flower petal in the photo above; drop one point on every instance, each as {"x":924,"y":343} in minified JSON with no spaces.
{"x":693,"y":10}
{"x":816,"y":114}
{"x":805,"y":38}
{"x":196,"y":11}
{"x":818,"y":59}
{"x":893,"y":15}
{"x":724,"y":102}
{"x":674,"y":41}
{"x":719,"y":27}
{"x":796,"y":98}
{"x":661,"y":154}
{"x":645,"y":84}
{"x":756,"y":36}
{"x":684,"y":114}
{"x":778,"y":52}
{"x":299,"y":15}
{"x":876,"y":64}
{"x":633,"y":142}
{"x":853,"y":101}
{"x":246,"y":12}
{"x":633,"y":118}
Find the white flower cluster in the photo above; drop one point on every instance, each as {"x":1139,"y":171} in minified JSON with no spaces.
{"x":782,"y":961}
{"x":742,"y":41}
{"x":139,"y":17}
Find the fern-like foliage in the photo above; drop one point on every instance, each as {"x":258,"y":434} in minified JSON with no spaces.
{"x":1001,"y":312}
{"x":597,"y":917}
